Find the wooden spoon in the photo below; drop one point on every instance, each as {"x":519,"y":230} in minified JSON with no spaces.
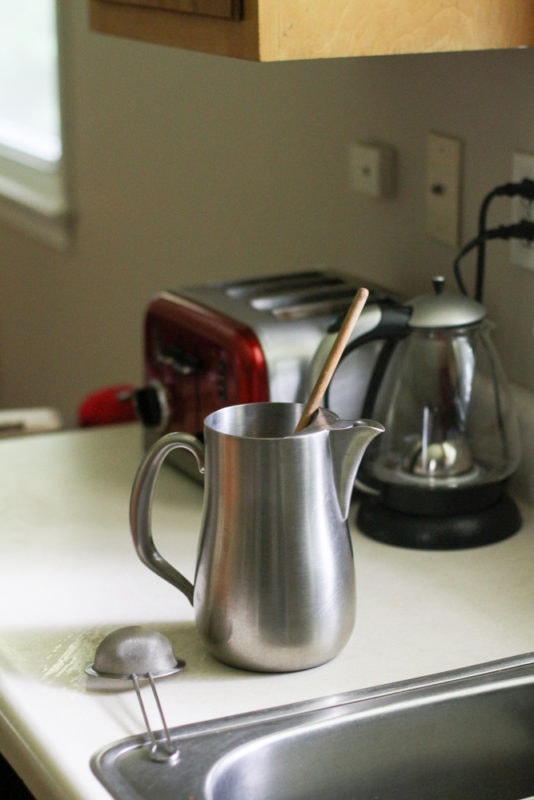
{"x":325,"y":376}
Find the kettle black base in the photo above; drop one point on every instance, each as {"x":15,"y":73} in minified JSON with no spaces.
{"x":429,"y":532}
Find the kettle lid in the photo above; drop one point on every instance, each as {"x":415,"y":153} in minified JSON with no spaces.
{"x":444,"y":309}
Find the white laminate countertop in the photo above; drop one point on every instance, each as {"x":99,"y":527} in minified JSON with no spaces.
{"x":69,"y":575}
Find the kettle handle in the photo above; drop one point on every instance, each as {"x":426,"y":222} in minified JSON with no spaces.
{"x":391,"y":324}
{"x":382,"y":319}
{"x":141,"y":505}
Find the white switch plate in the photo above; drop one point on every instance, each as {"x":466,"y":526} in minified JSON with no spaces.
{"x":522,"y":252}
{"x":443,"y":188}
{"x":372,"y":169}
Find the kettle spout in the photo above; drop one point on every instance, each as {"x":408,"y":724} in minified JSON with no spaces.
{"x":349,"y":440}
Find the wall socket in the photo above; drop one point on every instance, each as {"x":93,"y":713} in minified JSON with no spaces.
{"x":522,"y":251}
{"x":443,"y":188}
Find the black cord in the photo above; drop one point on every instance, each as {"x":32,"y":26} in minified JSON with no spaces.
{"x":525,"y":189}
{"x":520,"y":230}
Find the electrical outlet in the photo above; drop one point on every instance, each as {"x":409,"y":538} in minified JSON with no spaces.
{"x":372,"y":169}
{"x":522,"y":251}
{"x":443,"y":188}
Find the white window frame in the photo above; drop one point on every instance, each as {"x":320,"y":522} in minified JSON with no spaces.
{"x":33,"y":192}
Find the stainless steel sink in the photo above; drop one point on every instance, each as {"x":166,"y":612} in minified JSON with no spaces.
{"x":465,"y":734}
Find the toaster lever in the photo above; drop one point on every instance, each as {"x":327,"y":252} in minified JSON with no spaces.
{"x":151,"y":405}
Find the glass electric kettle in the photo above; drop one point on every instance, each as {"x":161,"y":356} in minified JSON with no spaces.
{"x":436,"y":478}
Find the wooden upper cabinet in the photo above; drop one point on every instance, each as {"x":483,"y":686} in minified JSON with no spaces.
{"x":284,"y":30}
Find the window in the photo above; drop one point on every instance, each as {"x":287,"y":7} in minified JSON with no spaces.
{"x":32,"y":185}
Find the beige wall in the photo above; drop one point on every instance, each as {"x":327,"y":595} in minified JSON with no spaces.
{"x":187,"y":167}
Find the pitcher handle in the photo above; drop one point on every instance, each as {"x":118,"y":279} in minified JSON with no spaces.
{"x":141,"y":504}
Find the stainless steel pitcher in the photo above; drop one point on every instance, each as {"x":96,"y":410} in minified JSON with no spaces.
{"x":274,"y":588}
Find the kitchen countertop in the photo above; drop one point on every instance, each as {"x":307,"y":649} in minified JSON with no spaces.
{"x":69,"y":575}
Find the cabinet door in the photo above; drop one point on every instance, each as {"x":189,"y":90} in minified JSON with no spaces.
{"x":224,"y":27}
{"x":222,"y":9}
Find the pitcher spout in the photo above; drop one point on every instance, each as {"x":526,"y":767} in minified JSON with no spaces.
{"x":349,"y":440}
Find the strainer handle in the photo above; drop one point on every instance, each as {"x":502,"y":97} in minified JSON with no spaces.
{"x":141,"y":504}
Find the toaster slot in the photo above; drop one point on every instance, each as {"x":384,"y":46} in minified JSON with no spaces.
{"x":306,"y":303}
{"x":278,"y":284}
{"x":332,"y":306}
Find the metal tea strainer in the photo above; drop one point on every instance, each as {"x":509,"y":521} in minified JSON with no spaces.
{"x":136,"y":653}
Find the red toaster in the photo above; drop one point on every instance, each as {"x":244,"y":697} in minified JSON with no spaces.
{"x":234,"y":342}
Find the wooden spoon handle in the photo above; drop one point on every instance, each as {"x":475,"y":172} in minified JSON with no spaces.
{"x":325,"y":376}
